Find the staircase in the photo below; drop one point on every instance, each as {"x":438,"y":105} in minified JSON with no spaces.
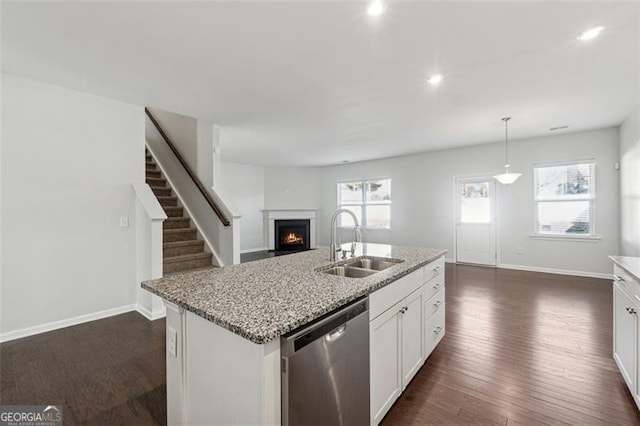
{"x":181,"y":248}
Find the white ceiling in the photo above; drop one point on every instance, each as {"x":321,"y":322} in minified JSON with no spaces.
{"x":315,"y":83}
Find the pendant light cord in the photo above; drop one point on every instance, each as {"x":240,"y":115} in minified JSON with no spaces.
{"x":506,"y":140}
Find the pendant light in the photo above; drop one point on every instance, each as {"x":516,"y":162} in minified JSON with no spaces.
{"x":506,"y":178}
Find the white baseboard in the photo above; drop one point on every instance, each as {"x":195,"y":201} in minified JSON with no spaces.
{"x":252,"y":250}
{"x":43,"y":328}
{"x":556,"y":271}
{"x":152,"y":316}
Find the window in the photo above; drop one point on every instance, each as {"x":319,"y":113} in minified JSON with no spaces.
{"x":564,"y":198}
{"x":369,"y":200}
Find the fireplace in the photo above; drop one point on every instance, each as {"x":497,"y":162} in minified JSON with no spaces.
{"x":292,"y":235}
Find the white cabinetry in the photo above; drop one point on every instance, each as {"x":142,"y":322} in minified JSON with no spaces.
{"x":402,"y":319}
{"x":626,"y":337}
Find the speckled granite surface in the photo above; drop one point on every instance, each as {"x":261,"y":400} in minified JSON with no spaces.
{"x":264,"y":299}
{"x":628,"y":263}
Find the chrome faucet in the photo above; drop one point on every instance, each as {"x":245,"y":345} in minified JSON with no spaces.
{"x":357,"y":236}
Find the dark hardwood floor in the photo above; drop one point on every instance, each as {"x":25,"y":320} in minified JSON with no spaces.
{"x":520,"y":348}
{"x":106,"y":372}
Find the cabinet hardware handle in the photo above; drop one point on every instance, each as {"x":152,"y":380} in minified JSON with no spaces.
{"x":437,"y":330}
{"x":404,"y":309}
{"x":437,"y":286}
{"x":617,"y":277}
{"x":437,"y":304}
{"x":437,"y":269}
{"x":630,"y":310}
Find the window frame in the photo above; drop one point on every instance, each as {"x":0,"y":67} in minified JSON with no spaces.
{"x":591,"y":199}
{"x":363,"y":202}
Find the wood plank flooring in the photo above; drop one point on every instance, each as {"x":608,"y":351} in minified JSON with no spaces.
{"x":105,"y":372}
{"x":521,"y":348}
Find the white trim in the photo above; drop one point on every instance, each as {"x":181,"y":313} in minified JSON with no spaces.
{"x":565,"y":237}
{"x":43,"y":328}
{"x":556,"y":271}
{"x":448,"y":260}
{"x":253,"y":250}
{"x":151,"y":316}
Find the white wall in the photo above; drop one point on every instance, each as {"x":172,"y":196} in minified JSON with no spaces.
{"x":630,"y":185}
{"x":423,"y":197}
{"x":292,"y":187}
{"x":68,"y":162}
{"x":244,"y":185}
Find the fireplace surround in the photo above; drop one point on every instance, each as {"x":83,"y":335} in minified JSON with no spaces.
{"x":271,"y":216}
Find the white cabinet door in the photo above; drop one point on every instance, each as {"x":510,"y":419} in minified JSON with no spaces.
{"x":411,"y":336}
{"x":624,"y":335}
{"x":384,"y":338}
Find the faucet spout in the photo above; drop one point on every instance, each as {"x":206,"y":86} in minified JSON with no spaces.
{"x":356,"y":232}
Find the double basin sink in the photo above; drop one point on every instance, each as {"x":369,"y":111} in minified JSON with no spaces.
{"x":361,"y":267}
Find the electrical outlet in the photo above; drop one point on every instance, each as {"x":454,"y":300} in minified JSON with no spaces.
{"x":520,"y":250}
{"x":124,"y":222}
{"x":172,"y":342}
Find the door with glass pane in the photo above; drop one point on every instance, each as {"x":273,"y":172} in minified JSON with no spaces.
{"x":475,"y":221}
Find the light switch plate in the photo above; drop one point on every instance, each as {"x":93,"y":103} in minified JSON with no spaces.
{"x":172,"y":342}
{"x":124,"y":221}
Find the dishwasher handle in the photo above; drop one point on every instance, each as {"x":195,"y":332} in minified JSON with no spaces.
{"x":336,"y":334}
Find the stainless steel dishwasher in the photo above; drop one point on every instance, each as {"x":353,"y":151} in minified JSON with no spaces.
{"x":325,"y":370}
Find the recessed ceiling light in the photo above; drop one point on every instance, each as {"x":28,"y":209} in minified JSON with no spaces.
{"x":375,"y":8}
{"x":435,"y":79}
{"x":590,"y":34}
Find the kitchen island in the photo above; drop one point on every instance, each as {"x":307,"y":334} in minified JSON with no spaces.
{"x":224,"y":325}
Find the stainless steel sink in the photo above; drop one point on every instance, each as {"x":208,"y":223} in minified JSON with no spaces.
{"x":348,"y":271}
{"x":375,"y":264}
{"x":360,"y":267}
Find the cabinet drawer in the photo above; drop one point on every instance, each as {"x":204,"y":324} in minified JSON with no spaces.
{"x":627,"y":282}
{"x":434,"y":268}
{"x":434,"y":331}
{"x":433,"y":286}
{"x":386,"y":297}
{"x":434,"y":304}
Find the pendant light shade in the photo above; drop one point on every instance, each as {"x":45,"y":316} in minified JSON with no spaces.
{"x":506,"y":178}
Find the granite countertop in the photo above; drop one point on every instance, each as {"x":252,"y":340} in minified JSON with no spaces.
{"x":628,"y":263}
{"x":265,"y":299}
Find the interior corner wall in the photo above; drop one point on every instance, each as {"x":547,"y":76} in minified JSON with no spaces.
{"x":630,"y":185}
{"x":68,"y":162}
{"x":423,"y":198}
{"x":245,"y":184}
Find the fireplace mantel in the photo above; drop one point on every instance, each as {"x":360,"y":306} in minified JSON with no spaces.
{"x":271,"y":215}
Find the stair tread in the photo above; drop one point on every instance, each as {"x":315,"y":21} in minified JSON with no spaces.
{"x":177,"y":219}
{"x":172,"y":207}
{"x":178,"y":230}
{"x":187,"y":257}
{"x":173,"y":244}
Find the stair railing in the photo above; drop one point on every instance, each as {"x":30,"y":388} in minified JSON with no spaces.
{"x":217,"y":210}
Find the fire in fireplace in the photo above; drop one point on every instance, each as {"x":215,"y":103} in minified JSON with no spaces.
{"x":292,"y":235}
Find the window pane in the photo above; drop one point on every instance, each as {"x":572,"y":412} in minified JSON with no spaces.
{"x":379,"y":191}
{"x":378,"y":216}
{"x":350,"y":192}
{"x":565,"y":182}
{"x":564,"y":217}
{"x":346,"y":220}
{"x":475,"y":206}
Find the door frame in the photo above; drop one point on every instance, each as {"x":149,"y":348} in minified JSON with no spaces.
{"x":495,"y":204}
